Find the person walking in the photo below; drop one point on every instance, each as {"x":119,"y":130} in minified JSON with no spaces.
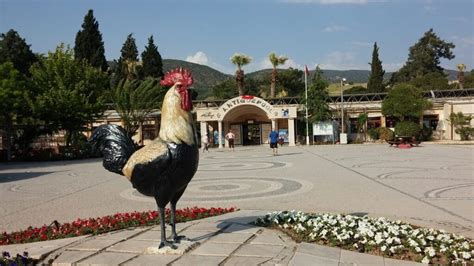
{"x":230,"y":136}
{"x":273,"y":137}
{"x":205,"y":143}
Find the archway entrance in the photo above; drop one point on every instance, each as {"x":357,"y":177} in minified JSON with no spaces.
{"x":250,"y":118}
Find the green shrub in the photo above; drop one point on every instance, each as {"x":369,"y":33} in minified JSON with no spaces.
{"x":373,"y":133}
{"x":407,"y":128}
{"x":385,"y":133}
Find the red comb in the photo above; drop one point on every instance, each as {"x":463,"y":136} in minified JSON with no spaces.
{"x":177,"y":75}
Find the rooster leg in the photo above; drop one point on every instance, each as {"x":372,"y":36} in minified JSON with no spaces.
{"x":176,"y":238}
{"x":164,"y":242}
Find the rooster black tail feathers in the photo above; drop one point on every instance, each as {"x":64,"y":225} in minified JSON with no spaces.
{"x":112,"y":141}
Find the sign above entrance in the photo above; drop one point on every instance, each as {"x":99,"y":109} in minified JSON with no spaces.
{"x":247,"y":100}
{"x":272,"y":112}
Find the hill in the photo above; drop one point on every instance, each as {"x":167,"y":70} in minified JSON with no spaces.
{"x":204,"y":77}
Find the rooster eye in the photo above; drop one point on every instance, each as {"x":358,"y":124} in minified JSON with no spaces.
{"x":179,"y":86}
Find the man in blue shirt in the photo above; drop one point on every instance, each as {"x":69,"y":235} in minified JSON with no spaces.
{"x":273,"y":137}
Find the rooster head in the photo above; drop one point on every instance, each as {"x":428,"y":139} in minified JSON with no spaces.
{"x":180,"y":80}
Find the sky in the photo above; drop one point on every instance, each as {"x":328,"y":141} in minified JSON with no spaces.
{"x":335,"y":34}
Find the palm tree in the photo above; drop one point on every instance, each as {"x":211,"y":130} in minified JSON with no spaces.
{"x":276,"y":61}
{"x":134,"y":100}
{"x":461,"y":68}
{"x":240,"y":60}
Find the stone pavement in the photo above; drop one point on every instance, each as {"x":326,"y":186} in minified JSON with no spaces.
{"x":431,"y":185}
{"x":222,"y":240}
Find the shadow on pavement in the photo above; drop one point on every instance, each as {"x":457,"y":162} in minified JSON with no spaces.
{"x":11,"y":177}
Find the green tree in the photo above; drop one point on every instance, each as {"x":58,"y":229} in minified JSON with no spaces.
{"x":375,"y":83}
{"x":290,"y":81}
{"x":462,"y":123}
{"x":469,"y":80}
{"x":89,"y":45}
{"x":431,"y":81}
{"x":69,"y":92}
{"x":128,"y":64}
{"x":240,"y":60}
{"x":424,"y":58}
{"x":405,"y":102}
{"x":317,"y":103}
{"x":225,"y":90}
{"x":14,"y":49}
{"x":152,"y":65}
{"x":13,"y":100}
{"x":134,"y":100}
{"x":275,"y":61}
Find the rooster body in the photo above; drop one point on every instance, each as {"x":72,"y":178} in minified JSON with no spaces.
{"x":163,"y":168}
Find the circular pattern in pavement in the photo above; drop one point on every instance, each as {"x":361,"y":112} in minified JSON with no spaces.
{"x":240,"y":166}
{"x":234,"y":189}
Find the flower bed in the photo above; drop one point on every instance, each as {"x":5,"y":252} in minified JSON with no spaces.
{"x":104,"y":224}
{"x":376,"y":236}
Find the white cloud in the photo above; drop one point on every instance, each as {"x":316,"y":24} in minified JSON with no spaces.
{"x":335,"y":28}
{"x":198,"y":58}
{"x":202,"y":59}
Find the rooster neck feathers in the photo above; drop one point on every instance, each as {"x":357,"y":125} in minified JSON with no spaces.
{"x":176,"y":124}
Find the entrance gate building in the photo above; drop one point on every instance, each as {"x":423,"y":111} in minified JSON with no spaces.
{"x":250,"y":118}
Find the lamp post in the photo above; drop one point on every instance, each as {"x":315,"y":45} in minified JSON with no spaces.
{"x":343,"y":136}
{"x":306,"y":72}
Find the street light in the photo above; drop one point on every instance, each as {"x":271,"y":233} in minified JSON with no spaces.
{"x":342,"y":137}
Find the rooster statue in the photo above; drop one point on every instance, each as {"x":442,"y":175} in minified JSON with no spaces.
{"x":163,"y":168}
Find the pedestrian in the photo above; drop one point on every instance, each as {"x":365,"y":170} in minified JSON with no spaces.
{"x":205,"y":143}
{"x":273,"y":138}
{"x":230,"y":136}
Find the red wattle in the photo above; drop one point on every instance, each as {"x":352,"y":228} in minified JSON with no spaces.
{"x":186,"y":103}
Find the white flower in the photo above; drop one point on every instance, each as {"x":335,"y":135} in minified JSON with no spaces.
{"x":378,"y":238}
{"x":425,"y":260}
{"x":323,"y":232}
{"x":466,"y":255}
{"x":431,"y":251}
{"x":383,"y":248}
{"x":465,"y":245}
{"x":430,"y":237}
{"x":442,"y":248}
{"x":418,"y":249}
{"x":392,"y":249}
{"x":412,"y":243}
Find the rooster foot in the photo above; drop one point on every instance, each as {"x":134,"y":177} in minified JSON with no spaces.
{"x":167,"y":244}
{"x":177,"y":239}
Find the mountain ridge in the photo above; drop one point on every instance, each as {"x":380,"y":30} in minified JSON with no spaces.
{"x":206,"y":77}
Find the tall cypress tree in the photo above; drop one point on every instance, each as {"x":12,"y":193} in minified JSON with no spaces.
{"x":129,"y":49}
{"x":318,"y":98}
{"x":89,"y":44}
{"x":128,"y":65}
{"x":14,"y":49}
{"x":375,"y":83}
{"x":152,"y":65}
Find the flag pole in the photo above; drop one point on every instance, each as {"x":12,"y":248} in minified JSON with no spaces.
{"x":306,"y":102}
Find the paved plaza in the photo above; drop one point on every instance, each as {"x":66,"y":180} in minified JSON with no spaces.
{"x":431,"y":185}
